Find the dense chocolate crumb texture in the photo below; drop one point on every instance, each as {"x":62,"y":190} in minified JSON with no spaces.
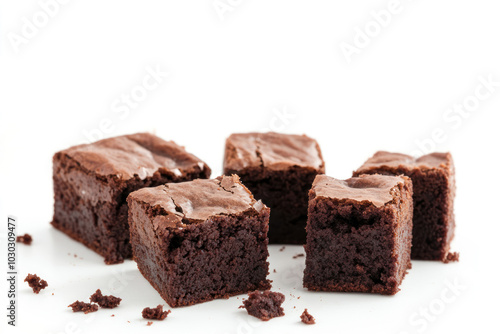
{"x":156,"y":313}
{"x":307,"y":318}
{"x":359,"y":234}
{"x":278,"y":169}
{"x":105,"y":301}
{"x":36,"y":283}
{"x":24,"y":239}
{"x":433,"y":177}
{"x":264,"y":305}
{"x":92,"y":182}
{"x":79,"y":306}
{"x":194,"y":220}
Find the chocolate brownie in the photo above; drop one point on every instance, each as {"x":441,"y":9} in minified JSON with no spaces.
{"x":359,"y":234}
{"x":92,"y":182}
{"x":278,"y":169}
{"x":156,"y":313}
{"x":200,"y":240}
{"x":433,"y":177}
{"x":105,"y":301}
{"x":306,"y":318}
{"x":264,"y":305}
{"x":36,"y":283}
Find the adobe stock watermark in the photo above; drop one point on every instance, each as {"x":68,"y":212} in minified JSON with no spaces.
{"x":33,"y":24}
{"x":363,"y":36}
{"x":427,"y":314}
{"x":123,"y":105}
{"x":224,"y":7}
{"x":454,"y":116}
{"x":281,"y":118}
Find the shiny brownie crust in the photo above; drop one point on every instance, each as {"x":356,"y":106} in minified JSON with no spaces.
{"x":192,"y":260}
{"x":359,"y":243}
{"x":278,"y":169}
{"x":90,"y":189}
{"x":433,"y":177}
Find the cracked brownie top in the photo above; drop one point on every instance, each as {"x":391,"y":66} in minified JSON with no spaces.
{"x":376,"y":189}
{"x":395,"y":161}
{"x":271,"y":150}
{"x":195,"y":201}
{"x":140,"y":154}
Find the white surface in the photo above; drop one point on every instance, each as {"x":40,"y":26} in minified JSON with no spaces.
{"x":232,"y":75}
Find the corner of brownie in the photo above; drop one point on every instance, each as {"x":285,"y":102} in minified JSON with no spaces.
{"x":359,"y":234}
{"x":433,"y":177}
{"x":209,"y":237}
{"x":278,"y":169}
{"x":92,"y":182}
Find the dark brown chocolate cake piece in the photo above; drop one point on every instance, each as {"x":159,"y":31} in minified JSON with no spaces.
{"x":433,"y":177}
{"x":278,"y":169}
{"x":156,"y":313}
{"x":25,"y":239}
{"x":307,"y":318}
{"x":36,"y":283}
{"x":200,"y":240}
{"x":92,"y":181}
{"x":264,"y":305}
{"x":359,"y":234}
{"x":79,"y":306}
{"x":105,"y":301}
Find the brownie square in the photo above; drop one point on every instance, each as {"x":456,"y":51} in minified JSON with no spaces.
{"x":200,"y":240}
{"x":278,"y":169}
{"x":92,"y":182}
{"x":359,"y":234}
{"x":433,"y":177}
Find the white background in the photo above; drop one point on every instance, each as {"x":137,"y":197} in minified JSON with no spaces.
{"x":234,"y":71}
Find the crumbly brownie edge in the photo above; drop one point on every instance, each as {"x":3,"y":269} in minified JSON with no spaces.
{"x":400,"y":226}
{"x":149,"y":246}
{"x":111,"y":241}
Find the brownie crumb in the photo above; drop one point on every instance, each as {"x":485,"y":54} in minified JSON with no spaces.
{"x":451,"y":257}
{"x":282,"y":248}
{"x":112,"y":315}
{"x":105,"y":301}
{"x":79,"y":306}
{"x":149,"y":323}
{"x":155,"y":313}
{"x":274,"y":270}
{"x":264,"y":305}
{"x":36,"y":283}
{"x":298,"y":255}
{"x":307,"y":318}
{"x":24,"y":239}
